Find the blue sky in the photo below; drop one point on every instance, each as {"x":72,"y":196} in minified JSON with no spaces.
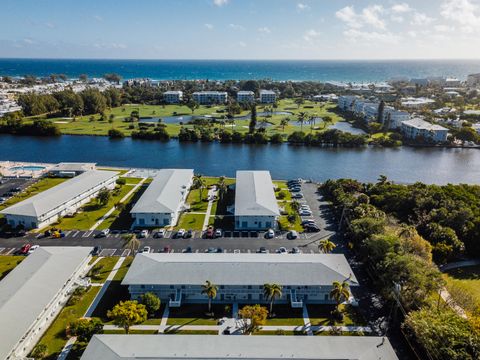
{"x":240,"y":29}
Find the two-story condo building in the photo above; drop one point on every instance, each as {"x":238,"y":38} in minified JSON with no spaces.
{"x":394,"y":118}
{"x":419,"y":128}
{"x":245,"y":97}
{"x":346,"y":102}
{"x":256,"y":207}
{"x":177,"y":278}
{"x":268,"y":96}
{"x":173,"y":97}
{"x":162,"y":202}
{"x":66,"y":198}
{"x":210,"y":97}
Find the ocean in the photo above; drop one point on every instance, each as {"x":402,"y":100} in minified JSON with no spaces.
{"x":280,"y":70}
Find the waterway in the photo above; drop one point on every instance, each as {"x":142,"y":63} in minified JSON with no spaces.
{"x":404,"y":164}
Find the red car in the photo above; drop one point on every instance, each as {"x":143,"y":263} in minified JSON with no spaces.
{"x":25,"y":248}
{"x":167,"y":249}
{"x":210,"y":233}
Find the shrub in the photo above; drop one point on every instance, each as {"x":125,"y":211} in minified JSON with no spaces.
{"x":115,"y":134}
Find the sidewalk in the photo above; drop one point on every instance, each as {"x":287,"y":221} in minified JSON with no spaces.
{"x":211,"y":194}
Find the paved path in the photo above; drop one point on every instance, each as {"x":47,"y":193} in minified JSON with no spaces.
{"x":211,"y":194}
{"x":163,"y":323}
{"x":109,"y":212}
{"x":104,"y":288}
{"x":306,"y":320}
{"x":66,"y":349}
{"x":459,"y":264}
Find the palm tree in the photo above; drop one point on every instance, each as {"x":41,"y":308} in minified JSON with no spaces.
{"x":295,"y":205}
{"x":199,"y":184}
{"x":210,"y":289}
{"x":326,"y":246}
{"x":222,"y":187}
{"x":284,"y":122}
{"x":340,"y":292}
{"x":272,"y":291}
{"x":131,"y":242}
{"x":382,"y":180}
{"x":301,"y":117}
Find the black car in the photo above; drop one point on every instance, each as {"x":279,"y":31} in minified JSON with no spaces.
{"x":188,"y":234}
{"x":188,"y":250}
{"x":308,"y":223}
{"x":311,"y":228}
{"x":219,"y":250}
{"x":96,"y":250}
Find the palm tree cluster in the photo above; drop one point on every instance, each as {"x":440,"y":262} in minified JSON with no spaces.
{"x":271,"y":292}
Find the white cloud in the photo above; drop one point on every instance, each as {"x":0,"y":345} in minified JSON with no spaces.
{"x":28,"y":41}
{"x":369,"y":16}
{"x":208,"y":26}
{"x":118,"y":46}
{"x":421,"y":19}
{"x":264,"y":30}
{"x":311,"y":34}
{"x":348,"y":15}
{"x":372,"y":15}
{"x":401,"y":8}
{"x":220,"y":2}
{"x":98,"y":17}
{"x":236,"y":27}
{"x":301,"y":7}
{"x":444,"y":28}
{"x":242,"y":44}
{"x":463,"y":12}
{"x":50,"y":25}
{"x":371,"y":37}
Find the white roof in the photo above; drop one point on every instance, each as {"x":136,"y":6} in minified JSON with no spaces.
{"x":56,"y":196}
{"x":238,"y":269}
{"x":31,"y":286}
{"x":73,"y":166}
{"x":173,"y":92}
{"x":165,"y":193}
{"x":254,"y":194}
{"x":210,"y":93}
{"x":245,"y":93}
{"x":423,"y":125}
{"x":268,"y":92}
{"x":116,"y":347}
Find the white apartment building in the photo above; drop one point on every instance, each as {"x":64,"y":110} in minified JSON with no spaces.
{"x":173,"y":97}
{"x":419,"y":128}
{"x":66,"y":198}
{"x":346,"y":102}
{"x":162,"y":202}
{"x":210,"y":97}
{"x":394,"y":118}
{"x":416,"y":103}
{"x":268,"y":96}
{"x":245,"y":97}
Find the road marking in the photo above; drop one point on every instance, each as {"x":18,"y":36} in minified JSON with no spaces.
{"x":38,"y":236}
{"x":75,"y":233}
{"x":87,"y":233}
{"x":172,"y":251}
{"x":249,"y":251}
{"x":10,"y":251}
{"x":1,"y":250}
{"x":197,"y":251}
{"x":116,"y":235}
{"x":107,"y":252}
{"x":125,"y":252}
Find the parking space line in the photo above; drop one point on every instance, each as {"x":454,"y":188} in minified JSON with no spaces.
{"x":10,"y":251}
{"x":125,"y":252}
{"x":87,"y":233}
{"x":197,"y":251}
{"x":1,"y":250}
{"x":75,"y":233}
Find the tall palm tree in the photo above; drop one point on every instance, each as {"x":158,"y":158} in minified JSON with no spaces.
{"x":301,"y":118}
{"x":198,"y":183}
{"x":326,"y":246}
{"x":382,"y":180}
{"x":284,"y":122}
{"x":131,"y":242}
{"x":222,"y":187}
{"x":295,"y":205}
{"x":272,"y":291}
{"x":340,"y":292}
{"x":210,"y":289}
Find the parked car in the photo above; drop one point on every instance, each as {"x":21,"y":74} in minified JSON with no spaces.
{"x":188,"y":250}
{"x":270,"y":234}
{"x":211,"y":250}
{"x":311,"y":228}
{"x":166,"y":249}
{"x":219,"y":250}
{"x":282,"y":250}
{"x":103,"y":233}
{"x":180,"y":233}
{"x":210,"y":232}
{"x":143,"y":234}
{"x":305,"y":213}
{"x":25,"y":248}
{"x":188,"y":234}
{"x":227,"y":331}
{"x":218,"y":233}
{"x":308,"y":221}
{"x":297,"y":195}
{"x":305,"y":207}
{"x":159,"y":234}
{"x":2,"y":199}
{"x":292,"y":235}
{"x":295,"y":190}
{"x":97,"y":250}
{"x":296,"y":250}
{"x":262,"y":250}
{"x":32,"y":249}
{"x":146,"y":249}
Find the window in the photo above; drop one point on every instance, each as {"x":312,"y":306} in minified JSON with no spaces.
{"x":141,"y":221}
{"x":244,"y":224}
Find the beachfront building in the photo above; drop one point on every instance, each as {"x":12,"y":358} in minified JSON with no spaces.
{"x":173,"y":97}
{"x":346,"y":102}
{"x":210,"y":97}
{"x":245,"y":97}
{"x":194,"y":347}
{"x":34,"y":292}
{"x":418,"y":128}
{"x":177,"y":278}
{"x":417,"y":103}
{"x":70,"y":169}
{"x":268,"y":96}
{"x":394,"y":118}
{"x":66,"y":198}
{"x":256,"y":207}
{"x":164,"y":199}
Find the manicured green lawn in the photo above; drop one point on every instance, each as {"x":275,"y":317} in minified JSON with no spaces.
{"x":55,"y":337}
{"x":191,"y":332}
{"x":284,"y":314}
{"x":282,"y":186}
{"x":283,"y":219}
{"x":106,"y":265}
{"x":132,"y":332}
{"x":191,"y":221}
{"x":467,"y":278}
{"x":122,"y":270}
{"x":281,"y":333}
{"x":92,"y":212}
{"x":196,"y":314}
{"x":320,"y":315}
{"x":8,"y":263}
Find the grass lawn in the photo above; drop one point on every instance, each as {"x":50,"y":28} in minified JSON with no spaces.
{"x":132,"y":332}
{"x":282,"y":186}
{"x":191,"y":332}
{"x":34,"y":189}
{"x":283,"y":314}
{"x":106,"y":265}
{"x":281,"y":332}
{"x":90,"y":213}
{"x":8,"y":263}
{"x":122,"y":270}
{"x":191,"y":221}
{"x":283,"y":219}
{"x":55,"y":337}
{"x":467,"y":278}
{"x":195,"y":314}
{"x":320,"y":315}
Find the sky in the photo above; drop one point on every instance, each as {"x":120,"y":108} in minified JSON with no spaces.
{"x":240,"y":29}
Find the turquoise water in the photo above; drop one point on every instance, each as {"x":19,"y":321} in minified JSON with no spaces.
{"x":355,"y":70}
{"x":28,"y":168}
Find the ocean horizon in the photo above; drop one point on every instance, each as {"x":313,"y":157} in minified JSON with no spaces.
{"x":278,"y":70}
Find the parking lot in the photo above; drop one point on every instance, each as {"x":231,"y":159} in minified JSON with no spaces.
{"x":8,"y":184}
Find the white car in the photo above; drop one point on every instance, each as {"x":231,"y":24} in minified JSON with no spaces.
{"x":180,"y":233}
{"x":297,"y":196}
{"x":146,"y":249}
{"x":305,"y":207}
{"x":143,"y":234}
{"x":282,"y":250}
{"x":305,"y":213}
{"x":159,"y":234}
{"x":270,"y":234}
{"x":218,"y":233}
{"x":33,"y":248}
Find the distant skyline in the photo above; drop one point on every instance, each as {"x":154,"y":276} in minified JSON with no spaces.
{"x":241,"y":29}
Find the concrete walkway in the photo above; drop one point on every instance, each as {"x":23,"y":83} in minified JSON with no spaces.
{"x":66,"y":349}
{"x":163,"y":323}
{"x":306,"y":320}
{"x":109,"y":212}
{"x":211,"y":194}
{"x":104,"y":288}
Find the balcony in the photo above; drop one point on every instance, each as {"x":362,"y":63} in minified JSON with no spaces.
{"x":294,"y":302}
{"x":177,"y":302}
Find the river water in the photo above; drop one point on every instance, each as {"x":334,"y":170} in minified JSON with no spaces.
{"x":404,"y":164}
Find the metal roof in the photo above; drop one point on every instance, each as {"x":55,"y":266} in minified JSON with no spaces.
{"x":164,"y":194}
{"x":27,"y":290}
{"x":254,"y":194}
{"x":238,"y":269}
{"x":56,"y":196}
{"x":422,"y":124}
{"x":130,"y":347}
{"x":73,"y":166}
